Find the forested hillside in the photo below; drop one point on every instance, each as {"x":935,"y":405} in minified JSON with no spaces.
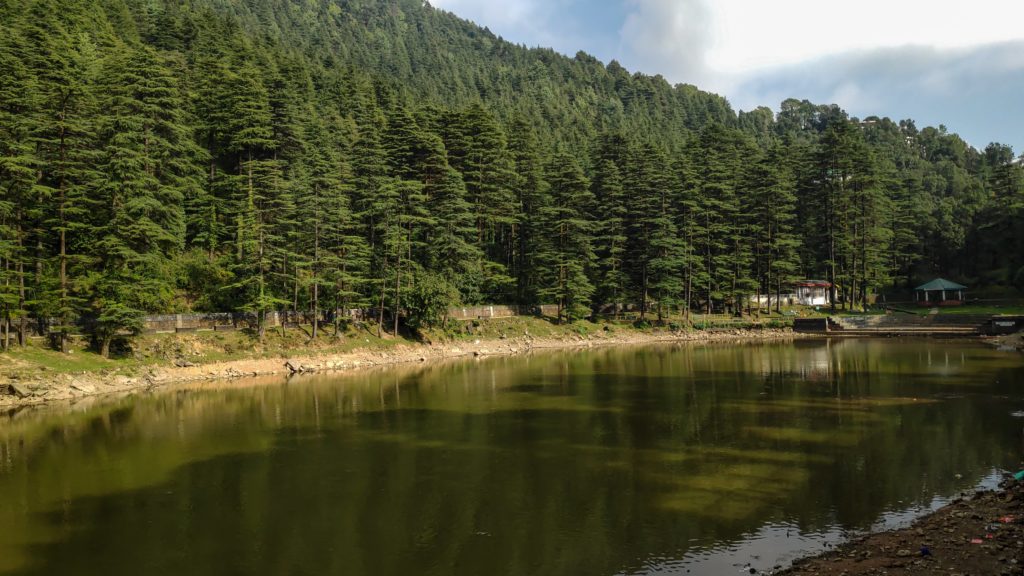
{"x":216,"y":155}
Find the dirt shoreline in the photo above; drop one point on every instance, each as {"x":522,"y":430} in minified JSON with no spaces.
{"x":54,"y":387}
{"x":978,"y":534}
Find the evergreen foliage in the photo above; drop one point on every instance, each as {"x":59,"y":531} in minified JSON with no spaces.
{"x":333,"y":155}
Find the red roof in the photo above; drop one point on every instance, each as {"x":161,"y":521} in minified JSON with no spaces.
{"x":813,"y":284}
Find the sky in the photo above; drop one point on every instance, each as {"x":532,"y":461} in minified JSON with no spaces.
{"x":959,"y":64}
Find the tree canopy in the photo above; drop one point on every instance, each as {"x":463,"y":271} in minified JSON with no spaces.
{"x":207,"y":155}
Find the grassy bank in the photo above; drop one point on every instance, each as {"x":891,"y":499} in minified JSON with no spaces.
{"x":35,"y":373}
{"x":204,"y":347}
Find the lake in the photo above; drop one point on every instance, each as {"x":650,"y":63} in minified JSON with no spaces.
{"x":669,"y":459}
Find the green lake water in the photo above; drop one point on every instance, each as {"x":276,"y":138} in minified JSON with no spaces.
{"x":670,"y":459}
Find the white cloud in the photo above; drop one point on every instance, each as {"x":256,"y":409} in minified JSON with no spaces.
{"x":754,"y":34}
{"x":668,"y":37}
{"x":716,"y":43}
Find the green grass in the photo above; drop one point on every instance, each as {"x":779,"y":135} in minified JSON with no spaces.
{"x":210,"y":347}
{"x":868,"y":312}
{"x":986,"y":309}
{"x":197,"y":347}
{"x":36,"y":358}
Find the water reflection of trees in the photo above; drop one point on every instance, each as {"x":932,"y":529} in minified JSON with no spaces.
{"x":553,"y":463}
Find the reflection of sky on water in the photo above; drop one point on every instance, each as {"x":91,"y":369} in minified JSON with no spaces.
{"x":904,"y":517}
{"x":780,"y":543}
{"x":770,"y":545}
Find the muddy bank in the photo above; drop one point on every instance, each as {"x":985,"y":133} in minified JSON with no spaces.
{"x":979,"y":534}
{"x":22,"y":391}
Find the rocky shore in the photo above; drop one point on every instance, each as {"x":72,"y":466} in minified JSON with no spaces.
{"x":979,"y":534}
{"x":1009,"y":342}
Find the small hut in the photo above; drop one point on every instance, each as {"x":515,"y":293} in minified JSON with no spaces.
{"x":813,"y":292}
{"x":940,"y":292}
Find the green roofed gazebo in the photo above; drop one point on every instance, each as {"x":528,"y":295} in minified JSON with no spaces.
{"x":940,"y":292}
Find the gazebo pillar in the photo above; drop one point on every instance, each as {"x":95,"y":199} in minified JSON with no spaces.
{"x":943,"y":296}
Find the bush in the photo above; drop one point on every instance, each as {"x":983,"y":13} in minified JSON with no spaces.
{"x":426,"y":305}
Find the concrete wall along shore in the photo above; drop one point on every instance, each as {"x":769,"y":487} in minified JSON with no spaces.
{"x":223,"y":320}
{"x":500,"y":311}
{"x":215,"y":321}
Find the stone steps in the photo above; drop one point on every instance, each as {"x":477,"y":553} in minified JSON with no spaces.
{"x":974,"y":322}
{"x":909,"y":332}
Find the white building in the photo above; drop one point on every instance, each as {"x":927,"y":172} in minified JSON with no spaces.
{"x":813,"y":292}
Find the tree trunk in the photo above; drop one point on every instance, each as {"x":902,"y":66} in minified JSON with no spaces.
{"x":7,"y":307}
{"x":770,"y":262}
{"x":689,"y":294}
{"x":22,"y":320}
{"x":398,"y":290}
{"x":853,"y":282}
{"x":832,"y":268}
{"x":211,"y":241}
{"x":380,"y":311}
{"x":737,"y":301}
{"x":316,"y":262}
{"x":864,"y":265}
{"x":105,"y":345}
{"x":344,"y":299}
{"x":64,"y":316}
{"x":708,"y":261}
{"x":295,"y":286}
{"x":316,"y":309}
{"x":643,"y":294}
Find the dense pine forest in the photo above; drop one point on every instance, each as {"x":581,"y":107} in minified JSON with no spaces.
{"x":313,"y":155}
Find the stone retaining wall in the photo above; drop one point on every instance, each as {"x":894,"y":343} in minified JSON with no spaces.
{"x":167,"y":323}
